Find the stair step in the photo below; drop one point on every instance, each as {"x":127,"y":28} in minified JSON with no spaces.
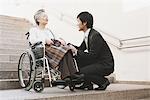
{"x":7,"y":20}
{"x":12,"y":40}
{"x":9,"y":66}
{"x":14,"y":45}
{"x":14,"y":75}
{"x":8,"y":75}
{"x":11,"y":79}
{"x":9,"y":84}
{"x":144,"y":98}
{"x":11,"y":23}
{"x":12,"y":18}
{"x":9,"y":57}
{"x":11,"y":51}
{"x":17,"y":27}
{"x":113,"y":92}
{"x":13,"y":34}
{"x":19,"y":42}
{"x":14,"y":83}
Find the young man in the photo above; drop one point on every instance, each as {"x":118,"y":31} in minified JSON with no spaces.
{"x":93,"y":56}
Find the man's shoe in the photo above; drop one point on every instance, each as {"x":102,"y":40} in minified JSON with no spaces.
{"x":103,"y":86}
{"x":85,"y":87}
{"x":77,"y":76}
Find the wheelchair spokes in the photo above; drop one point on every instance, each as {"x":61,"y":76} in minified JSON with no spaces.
{"x":26,"y":70}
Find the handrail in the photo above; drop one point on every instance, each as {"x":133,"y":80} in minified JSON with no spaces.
{"x":108,"y":34}
{"x":62,"y":15}
{"x":137,"y":38}
{"x":127,"y":47}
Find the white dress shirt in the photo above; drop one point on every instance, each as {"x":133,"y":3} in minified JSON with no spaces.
{"x":86,"y":34}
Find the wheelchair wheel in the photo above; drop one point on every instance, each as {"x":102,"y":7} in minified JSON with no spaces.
{"x":26,"y":70}
{"x":71,"y":86}
{"x":38,"y":86}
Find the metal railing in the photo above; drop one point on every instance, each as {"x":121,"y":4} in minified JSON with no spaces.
{"x":121,"y":42}
{"x":136,"y":39}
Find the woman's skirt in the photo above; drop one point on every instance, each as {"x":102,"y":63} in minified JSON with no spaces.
{"x":61,"y":58}
{"x":55,"y":54}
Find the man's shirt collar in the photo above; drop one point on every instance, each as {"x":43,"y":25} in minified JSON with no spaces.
{"x":87,"y":32}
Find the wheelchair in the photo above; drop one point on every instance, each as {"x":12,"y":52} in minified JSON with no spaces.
{"x":33,"y":67}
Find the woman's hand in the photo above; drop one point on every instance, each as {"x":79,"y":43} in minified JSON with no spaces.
{"x":49,"y":42}
{"x":62,"y":41}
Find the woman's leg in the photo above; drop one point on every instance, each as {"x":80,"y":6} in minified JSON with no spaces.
{"x":66,"y":66}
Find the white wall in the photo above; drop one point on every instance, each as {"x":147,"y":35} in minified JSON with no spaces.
{"x":121,"y":18}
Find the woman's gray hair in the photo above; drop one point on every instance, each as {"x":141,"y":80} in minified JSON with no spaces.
{"x":37,"y":15}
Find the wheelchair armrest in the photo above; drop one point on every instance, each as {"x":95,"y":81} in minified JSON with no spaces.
{"x":36,"y":44}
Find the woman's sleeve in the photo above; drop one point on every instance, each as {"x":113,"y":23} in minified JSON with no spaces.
{"x":32,"y":37}
{"x":52,"y":35}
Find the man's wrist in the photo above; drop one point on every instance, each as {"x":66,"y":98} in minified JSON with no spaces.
{"x":75,"y":53}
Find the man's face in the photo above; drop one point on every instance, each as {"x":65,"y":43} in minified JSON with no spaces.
{"x":80,"y":25}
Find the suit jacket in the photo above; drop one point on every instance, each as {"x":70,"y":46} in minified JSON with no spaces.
{"x":98,"y":51}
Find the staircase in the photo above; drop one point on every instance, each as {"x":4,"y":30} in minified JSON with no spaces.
{"x":12,"y":44}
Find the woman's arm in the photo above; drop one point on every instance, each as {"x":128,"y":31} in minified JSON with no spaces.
{"x":49,"y":42}
{"x":55,"y":36}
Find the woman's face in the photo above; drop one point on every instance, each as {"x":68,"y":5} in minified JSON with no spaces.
{"x":43,"y":19}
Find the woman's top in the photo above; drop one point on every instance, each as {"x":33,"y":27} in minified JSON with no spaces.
{"x":37,"y":34}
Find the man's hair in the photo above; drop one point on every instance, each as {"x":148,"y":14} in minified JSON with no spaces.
{"x":37,"y":15}
{"x":86,"y":17}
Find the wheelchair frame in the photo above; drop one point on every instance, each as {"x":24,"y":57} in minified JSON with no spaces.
{"x":31,"y":82}
{"x":32,"y":71}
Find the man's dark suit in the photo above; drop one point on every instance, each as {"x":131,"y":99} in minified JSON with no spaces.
{"x":98,"y":61}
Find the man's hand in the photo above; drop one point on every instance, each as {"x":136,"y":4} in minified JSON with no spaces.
{"x":73,"y":49}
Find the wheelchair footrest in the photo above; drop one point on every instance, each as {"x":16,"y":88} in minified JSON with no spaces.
{"x":67,"y":82}
{"x":58,"y":82}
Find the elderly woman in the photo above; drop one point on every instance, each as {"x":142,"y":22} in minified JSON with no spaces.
{"x":60,"y":57}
